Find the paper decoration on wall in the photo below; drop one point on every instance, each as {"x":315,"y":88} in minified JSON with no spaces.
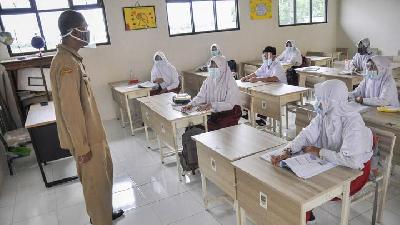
{"x":139,"y":17}
{"x":260,"y":9}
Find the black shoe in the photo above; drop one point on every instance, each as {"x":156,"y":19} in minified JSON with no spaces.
{"x":245,"y":116}
{"x":117,"y":214}
{"x":261,"y":122}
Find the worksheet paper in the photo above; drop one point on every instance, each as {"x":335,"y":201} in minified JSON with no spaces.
{"x":303,"y":165}
{"x":147,"y":84}
{"x":193,"y":111}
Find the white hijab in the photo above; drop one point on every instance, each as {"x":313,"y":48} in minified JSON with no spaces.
{"x":335,"y":109}
{"x":223,"y":92}
{"x":163,"y":69}
{"x":218,"y":49}
{"x":374,"y":88}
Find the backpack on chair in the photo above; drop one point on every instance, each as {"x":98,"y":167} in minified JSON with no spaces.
{"x":188,"y":156}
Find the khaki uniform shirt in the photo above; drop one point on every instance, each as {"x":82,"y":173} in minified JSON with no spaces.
{"x":78,"y":121}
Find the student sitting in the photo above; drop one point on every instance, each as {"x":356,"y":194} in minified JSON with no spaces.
{"x":378,"y":87}
{"x":215,"y":50}
{"x":270,"y":71}
{"x":362,"y":56}
{"x":164,"y":74}
{"x":291,"y":54}
{"x":337,"y":134}
{"x":220,"y":94}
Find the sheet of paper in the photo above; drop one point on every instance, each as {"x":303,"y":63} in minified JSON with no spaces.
{"x":147,"y":84}
{"x":178,"y":108}
{"x":307,"y":165}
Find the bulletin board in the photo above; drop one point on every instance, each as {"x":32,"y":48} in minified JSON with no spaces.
{"x":260,"y":9}
{"x":139,"y":17}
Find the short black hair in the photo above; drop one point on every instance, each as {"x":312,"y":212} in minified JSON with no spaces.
{"x":70,"y":19}
{"x":270,"y":49}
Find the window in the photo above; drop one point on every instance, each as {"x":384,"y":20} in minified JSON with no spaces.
{"x":300,"y":12}
{"x":25,"y":18}
{"x":201,"y":16}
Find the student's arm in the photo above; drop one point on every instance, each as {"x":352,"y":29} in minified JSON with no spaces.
{"x":201,"y":96}
{"x":175,"y":80}
{"x":308,"y":136}
{"x":384,"y":97}
{"x":269,"y":79}
{"x":248,"y":77}
{"x":356,"y":146}
{"x":71,"y":108}
{"x":281,"y":56}
{"x":358,"y":91}
{"x":232,"y":98}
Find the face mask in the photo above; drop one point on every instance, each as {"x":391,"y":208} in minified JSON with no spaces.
{"x":84,"y":36}
{"x":269,"y":62}
{"x":371,"y":74}
{"x":362,"y":51}
{"x":214,"y":53}
{"x":214,"y":73}
{"x":318,"y":107}
{"x":263,"y":59}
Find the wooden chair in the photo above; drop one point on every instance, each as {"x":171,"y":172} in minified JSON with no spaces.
{"x":378,"y":184}
{"x":344,"y":52}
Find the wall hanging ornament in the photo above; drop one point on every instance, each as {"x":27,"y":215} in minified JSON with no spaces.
{"x":260,"y":9}
{"x":139,"y":17}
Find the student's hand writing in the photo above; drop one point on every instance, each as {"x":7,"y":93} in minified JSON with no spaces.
{"x":276,"y":159}
{"x":244,"y":79}
{"x":158,"y":81}
{"x":254,"y":79}
{"x":187,"y":108}
{"x":359,"y":99}
{"x":204,"y":107}
{"x":85,"y":158}
{"x":312,"y":150}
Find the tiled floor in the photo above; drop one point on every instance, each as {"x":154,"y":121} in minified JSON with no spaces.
{"x":148,"y":190}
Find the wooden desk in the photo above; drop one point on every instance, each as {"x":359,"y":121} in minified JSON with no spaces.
{"x":327,"y":73}
{"x":122,"y":92}
{"x":288,"y":197}
{"x":249,"y":67}
{"x":192,"y":81}
{"x":268,"y":100}
{"x":320,"y":60}
{"x":42,"y":127}
{"x":217,"y":149}
{"x":372,"y":118}
{"x":157,"y":113}
{"x":13,"y":65}
{"x":245,"y":96}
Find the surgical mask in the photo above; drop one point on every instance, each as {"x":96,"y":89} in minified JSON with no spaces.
{"x":264,"y":59}
{"x":84,"y":36}
{"x":289,"y":48}
{"x":214,"y":53}
{"x":214,"y":73}
{"x":362,"y":51}
{"x":317,"y":106}
{"x":371,"y":74}
{"x":269,"y":62}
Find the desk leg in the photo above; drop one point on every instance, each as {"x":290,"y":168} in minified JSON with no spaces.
{"x":287,"y":117}
{"x":147,"y":135}
{"x":280,"y":122}
{"x":243,"y":216}
{"x":205,"y":123}
{"x":238,"y":212}
{"x":204,"y":188}
{"x":302,"y":80}
{"x":121,"y":112}
{"x":161,"y":150}
{"x":253,"y":114}
{"x":345,"y":204}
{"x":178,"y":166}
{"x":349,"y":84}
{"x":128,"y":110}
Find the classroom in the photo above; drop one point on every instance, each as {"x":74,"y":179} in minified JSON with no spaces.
{"x":199,"y":112}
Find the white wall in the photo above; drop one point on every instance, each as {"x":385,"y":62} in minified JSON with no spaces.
{"x":378,"y":20}
{"x":134,"y":49}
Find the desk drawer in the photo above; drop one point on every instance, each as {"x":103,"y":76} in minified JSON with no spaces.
{"x":277,"y":210}
{"x":217,"y":169}
{"x":268,"y":106}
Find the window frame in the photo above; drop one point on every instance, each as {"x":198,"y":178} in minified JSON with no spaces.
{"x":33,"y":9}
{"x":192,"y":20}
{"x":311,"y":15}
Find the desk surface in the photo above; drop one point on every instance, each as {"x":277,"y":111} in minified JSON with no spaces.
{"x":260,"y":62}
{"x":162,"y":104}
{"x":387,"y":120}
{"x":319,"y":58}
{"x":40,"y":115}
{"x":287,"y":183}
{"x":327,"y":71}
{"x":124,"y":87}
{"x":248,"y":85}
{"x":238,"y":141}
{"x":278,"y":89}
